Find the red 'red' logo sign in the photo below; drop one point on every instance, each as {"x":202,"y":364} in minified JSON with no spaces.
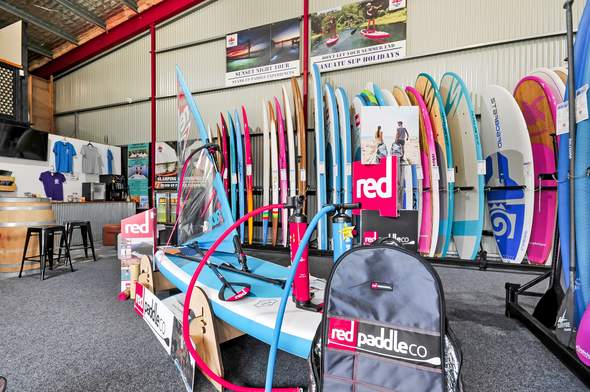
{"x":342,"y":334}
{"x":139,"y":299}
{"x":139,"y":225}
{"x":375,"y":186}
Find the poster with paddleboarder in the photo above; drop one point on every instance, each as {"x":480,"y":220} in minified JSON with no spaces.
{"x":357,"y":34}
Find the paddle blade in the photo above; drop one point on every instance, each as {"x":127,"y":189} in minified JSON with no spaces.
{"x":583,"y":339}
{"x":565,"y":326}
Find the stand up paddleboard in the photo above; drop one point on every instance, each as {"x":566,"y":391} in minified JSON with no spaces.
{"x":345,"y":147}
{"x":290,"y":144}
{"x":241,"y":176}
{"x":430,"y":196}
{"x":333,"y":160}
{"x":332,"y":40}
{"x":538,"y":105}
{"x":301,"y":138}
{"x":468,"y":215}
{"x":225,"y":150}
{"x":265,"y":171}
{"x":219,"y":154}
{"x":274,"y":173}
{"x":233,"y":167}
{"x":562,"y":73}
{"x":249,"y":175}
{"x":510,"y":173}
{"x":553,"y":81}
{"x":374,"y":34}
{"x":428,"y":88}
{"x":322,"y":229}
{"x":283,"y":181}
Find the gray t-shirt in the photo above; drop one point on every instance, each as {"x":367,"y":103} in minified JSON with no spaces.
{"x":91,"y":160}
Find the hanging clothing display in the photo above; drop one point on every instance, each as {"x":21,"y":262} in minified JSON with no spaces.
{"x":64,"y":153}
{"x":91,"y":160}
{"x":109,"y":161}
{"x":53,"y":184}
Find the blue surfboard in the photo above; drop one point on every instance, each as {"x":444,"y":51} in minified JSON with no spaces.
{"x":241,"y":175}
{"x":333,"y":155}
{"x":322,"y":229}
{"x":233,"y":167}
{"x":345,"y":145}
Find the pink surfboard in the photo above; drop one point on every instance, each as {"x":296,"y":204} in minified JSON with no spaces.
{"x":283,"y":180}
{"x":430,"y":197}
{"x":539,"y":106}
{"x":249,"y":175}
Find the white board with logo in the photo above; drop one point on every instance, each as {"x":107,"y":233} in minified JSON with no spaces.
{"x":157,"y":316}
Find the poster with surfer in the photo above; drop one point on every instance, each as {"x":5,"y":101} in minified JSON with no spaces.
{"x":390,"y":131}
{"x":260,"y":54}
{"x":360,"y":33}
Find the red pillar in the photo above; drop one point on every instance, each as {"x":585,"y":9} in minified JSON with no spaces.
{"x":305,"y":55}
{"x":153,"y":112}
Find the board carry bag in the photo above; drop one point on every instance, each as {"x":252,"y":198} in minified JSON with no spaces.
{"x":384,"y":326}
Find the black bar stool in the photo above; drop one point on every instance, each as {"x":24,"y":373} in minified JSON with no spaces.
{"x":86,"y":234}
{"x":46,"y":236}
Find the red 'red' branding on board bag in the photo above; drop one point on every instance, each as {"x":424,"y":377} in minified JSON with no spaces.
{"x":375,"y":186}
{"x":342,"y":334}
{"x":139,"y":225}
{"x":139,"y":299}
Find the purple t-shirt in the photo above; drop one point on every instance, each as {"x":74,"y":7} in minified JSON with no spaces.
{"x":53,"y":184}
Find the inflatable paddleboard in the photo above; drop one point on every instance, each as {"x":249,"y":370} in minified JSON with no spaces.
{"x":241,"y":176}
{"x":249,"y":175}
{"x":427,"y":87}
{"x":468,"y":211}
{"x":274,"y":173}
{"x":290,"y":144}
{"x":322,"y":229}
{"x":332,"y":41}
{"x":345,"y":141}
{"x":233,"y":167}
{"x":226,"y":154}
{"x":265,"y":170}
{"x":333,"y":154}
{"x":357,"y":104}
{"x":375,"y":35}
{"x":283,"y":181}
{"x":301,"y":138}
{"x":509,"y":172}
{"x":428,"y":235}
{"x":538,"y":105}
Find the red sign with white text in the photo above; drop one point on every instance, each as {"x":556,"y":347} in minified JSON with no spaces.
{"x":139,"y":226}
{"x":342,"y":334}
{"x":375,"y":186}
{"x":139,"y":299}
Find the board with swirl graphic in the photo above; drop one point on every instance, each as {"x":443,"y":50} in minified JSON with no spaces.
{"x":509,"y":172}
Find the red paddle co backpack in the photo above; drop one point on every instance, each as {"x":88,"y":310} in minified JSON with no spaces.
{"x":384,"y":326}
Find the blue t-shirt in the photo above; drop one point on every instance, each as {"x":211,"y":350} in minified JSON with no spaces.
{"x":64,"y":154}
{"x":109,"y":161}
{"x":53,"y":184}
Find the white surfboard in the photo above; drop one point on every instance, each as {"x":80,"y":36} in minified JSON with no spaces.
{"x":274,"y":166}
{"x":345,"y":144}
{"x":507,"y":149}
{"x":553,"y":80}
{"x":290,"y":144}
{"x":265,"y":171}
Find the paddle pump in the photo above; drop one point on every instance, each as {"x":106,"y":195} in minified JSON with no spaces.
{"x":342,"y":228}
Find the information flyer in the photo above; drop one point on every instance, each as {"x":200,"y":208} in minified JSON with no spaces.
{"x":358,"y":34}
{"x":137,"y":173}
{"x":260,"y":54}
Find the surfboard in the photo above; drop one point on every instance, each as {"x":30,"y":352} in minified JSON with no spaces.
{"x":333,"y":153}
{"x":562,"y":73}
{"x":369,"y":97}
{"x":357,"y":104}
{"x":290,"y":144}
{"x":538,"y":105}
{"x":510,"y":173}
{"x":322,"y":229}
{"x":553,"y":81}
{"x":225,"y":149}
{"x":265,"y":170}
{"x":219,"y":154}
{"x":468,"y":210}
{"x":274,"y":173}
{"x":428,"y":88}
{"x":233,"y":157}
{"x":301,"y":138}
{"x":430,"y":196}
{"x":249,"y":175}
{"x":345,"y":147}
{"x":372,"y":87}
{"x":241,"y":177}
{"x":283,"y":180}
{"x":374,"y":35}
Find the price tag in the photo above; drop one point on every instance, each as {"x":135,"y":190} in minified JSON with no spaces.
{"x":321,"y":167}
{"x":302,"y":175}
{"x":348,"y":169}
{"x":225,"y":174}
{"x":582,"y":104}
{"x":450,"y":175}
{"x":481,"y":168}
{"x":249,"y":169}
{"x":283,"y":173}
{"x":435,"y":173}
{"x":419,"y":173}
{"x":562,"y":123}
{"x":234,"y":178}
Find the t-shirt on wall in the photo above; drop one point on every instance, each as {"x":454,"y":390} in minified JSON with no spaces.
{"x":91,"y":160}
{"x":64,"y":152}
{"x":53,"y":184}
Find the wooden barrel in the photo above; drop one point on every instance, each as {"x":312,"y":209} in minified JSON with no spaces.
{"x":16,"y":214}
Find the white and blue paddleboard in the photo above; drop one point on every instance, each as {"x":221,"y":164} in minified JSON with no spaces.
{"x":265,"y":171}
{"x":233,"y":166}
{"x":345,"y":144}
{"x":468,"y":215}
{"x":333,"y":155}
{"x":241,"y":174}
{"x":510,"y":175}
{"x":320,"y":149}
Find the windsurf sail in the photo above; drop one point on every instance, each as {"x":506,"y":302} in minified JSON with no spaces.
{"x":203,"y":211}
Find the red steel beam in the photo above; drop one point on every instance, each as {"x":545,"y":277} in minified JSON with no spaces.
{"x":305,"y":55}
{"x":115,"y":36}
{"x":153,"y":110}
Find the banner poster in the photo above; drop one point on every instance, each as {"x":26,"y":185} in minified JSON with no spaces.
{"x":166,"y":166}
{"x":260,"y":54}
{"x":137,"y":173}
{"x":360,"y":33}
{"x":136,"y":240}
